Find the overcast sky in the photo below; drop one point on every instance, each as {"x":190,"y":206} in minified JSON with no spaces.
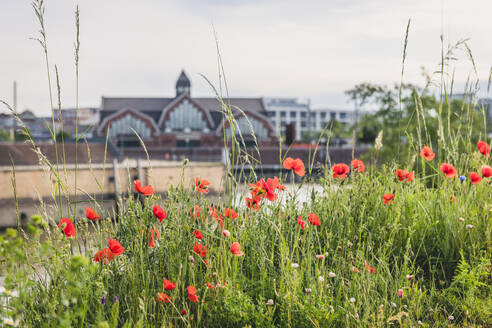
{"x":305,"y":49}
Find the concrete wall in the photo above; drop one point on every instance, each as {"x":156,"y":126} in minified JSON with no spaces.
{"x":34,"y":183}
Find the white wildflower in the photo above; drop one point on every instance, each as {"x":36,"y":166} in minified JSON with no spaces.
{"x":378,"y":143}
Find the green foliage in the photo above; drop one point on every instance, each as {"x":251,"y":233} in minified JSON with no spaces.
{"x":419,"y":235}
{"x":5,"y":135}
{"x":416,"y":122}
{"x":23,"y":135}
{"x":62,"y":135}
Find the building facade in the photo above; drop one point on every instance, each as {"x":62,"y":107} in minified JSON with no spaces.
{"x":182,"y":121}
{"x":284,"y":111}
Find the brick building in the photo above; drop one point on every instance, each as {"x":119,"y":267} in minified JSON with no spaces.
{"x":181,"y":121}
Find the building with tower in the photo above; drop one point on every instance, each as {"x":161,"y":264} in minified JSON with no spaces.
{"x":181,"y":121}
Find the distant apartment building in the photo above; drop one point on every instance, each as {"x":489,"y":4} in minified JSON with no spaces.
{"x":284,"y":111}
{"x":37,"y":126}
{"x":81,"y":121}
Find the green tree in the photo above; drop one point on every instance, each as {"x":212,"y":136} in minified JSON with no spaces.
{"x":23,"y":134}
{"x":5,"y":135}
{"x":415,"y":121}
{"x":62,"y":135}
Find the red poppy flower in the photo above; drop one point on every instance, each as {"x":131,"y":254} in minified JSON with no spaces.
{"x":340,"y":171}
{"x":213,"y":213}
{"x":200,"y":249}
{"x":183,"y":312}
{"x":265,"y":189}
{"x":144,"y":190}
{"x":192,"y":294}
{"x":91,"y":214}
{"x":159,"y":212}
{"x":369,"y":268}
{"x":475,"y":178}
{"x":401,"y":174}
{"x":68,"y":227}
{"x":196,"y":212}
{"x":104,"y":254}
{"x":301,"y":222}
{"x":115,"y":247}
{"x":295,"y":164}
{"x":253,"y":203}
{"x":279,"y":186}
{"x":483,"y":148}
{"x":358,"y":165}
{"x":427,"y":153}
{"x":314,"y":219}
{"x":162,"y":297}
{"x":236,"y":249}
{"x":448,"y":170}
{"x":388,"y":198}
{"x":201,"y":185}
{"x":270,"y":186}
{"x":486,"y":171}
{"x":198,"y":234}
{"x":210,"y":286}
{"x":152,"y":238}
{"x":168,"y":285}
{"x":230,"y":213}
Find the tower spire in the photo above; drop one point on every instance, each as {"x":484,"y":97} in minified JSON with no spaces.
{"x":183,"y":84}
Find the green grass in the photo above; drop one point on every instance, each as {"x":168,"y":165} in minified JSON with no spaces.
{"x":419,"y":235}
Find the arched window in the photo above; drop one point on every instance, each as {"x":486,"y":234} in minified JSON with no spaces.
{"x":123,"y":125}
{"x":186,"y":116}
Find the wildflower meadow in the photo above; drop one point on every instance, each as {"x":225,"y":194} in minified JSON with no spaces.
{"x":375,"y":247}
